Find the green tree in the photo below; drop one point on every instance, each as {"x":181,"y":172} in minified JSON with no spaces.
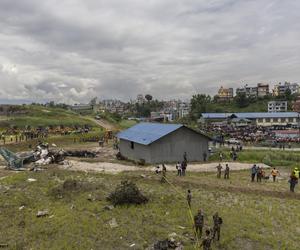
{"x":148,"y":97}
{"x":200,"y":103}
{"x":241,"y":100}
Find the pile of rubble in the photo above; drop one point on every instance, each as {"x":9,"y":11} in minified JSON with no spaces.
{"x":42,"y":155}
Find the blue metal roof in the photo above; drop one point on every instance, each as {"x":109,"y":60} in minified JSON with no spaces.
{"x":251,"y":115}
{"x":146,"y":133}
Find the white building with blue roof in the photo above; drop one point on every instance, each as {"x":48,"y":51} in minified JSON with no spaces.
{"x":258,"y":118}
{"x":159,"y":143}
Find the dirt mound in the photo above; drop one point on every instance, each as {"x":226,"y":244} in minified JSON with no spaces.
{"x":127,"y":193}
{"x":70,"y":187}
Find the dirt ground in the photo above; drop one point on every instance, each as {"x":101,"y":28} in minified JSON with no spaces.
{"x":108,"y":167}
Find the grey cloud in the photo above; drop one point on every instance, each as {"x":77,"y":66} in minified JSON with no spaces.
{"x":75,"y":50}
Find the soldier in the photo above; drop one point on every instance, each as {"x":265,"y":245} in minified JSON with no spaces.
{"x":164,"y":173}
{"x":199,"y":222}
{"x":219,"y":168}
{"x":226,"y":174}
{"x":189,"y":198}
{"x":206,"y":242}
{"x":217,"y":226}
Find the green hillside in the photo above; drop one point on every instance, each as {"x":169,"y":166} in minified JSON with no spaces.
{"x":43,"y":116}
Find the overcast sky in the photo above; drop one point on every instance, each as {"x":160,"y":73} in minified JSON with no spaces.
{"x":72,"y":50}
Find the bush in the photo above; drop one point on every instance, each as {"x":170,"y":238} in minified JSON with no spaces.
{"x":127,"y":193}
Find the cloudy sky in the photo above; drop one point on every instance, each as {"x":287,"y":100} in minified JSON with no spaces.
{"x":72,"y":50}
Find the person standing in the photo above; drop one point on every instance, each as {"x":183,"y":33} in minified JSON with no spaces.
{"x":206,"y":242}
{"x":183,"y":168}
{"x":258,"y":174}
{"x":219,"y":170}
{"x":274,"y":173}
{"x":293,"y":180}
{"x":199,"y":222}
{"x":164,"y":173}
{"x":221,"y":156}
{"x":178,"y":167}
{"x":189,"y":198}
{"x":217,"y":226}
{"x":204,"y":156}
{"x":185,"y":157}
{"x":226,"y":173}
{"x":253,"y":172}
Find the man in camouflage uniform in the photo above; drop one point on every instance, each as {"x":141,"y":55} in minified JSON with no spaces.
{"x":219,"y":169}
{"x":217,"y":226}
{"x":226,"y":173}
{"x":199,"y":222}
{"x":206,"y":242}
{"x":164,"y":173}
{"x":189,"y":198}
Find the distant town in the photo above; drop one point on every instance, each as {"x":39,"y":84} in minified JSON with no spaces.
{"x":283,"y":97}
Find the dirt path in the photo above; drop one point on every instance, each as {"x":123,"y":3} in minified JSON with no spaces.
{"x":104,"y":124}
{"x":117,"y":168}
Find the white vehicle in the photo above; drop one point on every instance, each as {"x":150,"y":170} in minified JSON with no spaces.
{"x":233,"y":141}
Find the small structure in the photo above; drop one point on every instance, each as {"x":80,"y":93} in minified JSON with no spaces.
{"x":157,"y":143}
{"x":277,"y":106}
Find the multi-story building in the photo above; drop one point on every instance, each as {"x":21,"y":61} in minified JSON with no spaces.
{"x":262,"y":89}
{"x":140,"y":99}
{"x":280,"y":89}
{"x":248,"y":91}
{"x":225,"y":94}
{"x":277,"y":106}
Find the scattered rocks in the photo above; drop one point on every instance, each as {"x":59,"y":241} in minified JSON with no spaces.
{"x":109,"y":207}
{"x":31,"y":180}
{"x":113,"y":223}
{"x":42,"y":213}
{"x":21,"y":208}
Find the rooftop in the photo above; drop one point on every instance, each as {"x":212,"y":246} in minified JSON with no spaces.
{"x":250,"y":115}
{"x":146,"y":133}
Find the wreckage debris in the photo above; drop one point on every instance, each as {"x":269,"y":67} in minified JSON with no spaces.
{"x":42,"y":155}
{"x":80,"y":153}
{"x":127,"y":193}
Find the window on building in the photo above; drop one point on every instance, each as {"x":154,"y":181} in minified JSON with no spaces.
{"x":291,"y":119}
{"x":260,"y":120}
{"x":275,"y":119}
{"x":268,"y":119}
{"x":132,"y":145}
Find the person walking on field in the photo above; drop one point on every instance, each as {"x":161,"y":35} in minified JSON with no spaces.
{"x":199,"y":222}
{"x":293,"y":180}
{"x":226,"y":173}
{"x":217,"y":226}
{"x":221,"y":156}
{"x":189,"y":198}
{"x":183,"y":168}
{"x":179,"y":170}
{"x":258,"y":174}
{"x":206,"y":242}
{"x":164,"y":173}
{"x":219,"y":170}
{"x":253,"y":172}
{"x":274,"y":174}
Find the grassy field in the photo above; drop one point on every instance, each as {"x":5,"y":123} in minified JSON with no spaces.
{"x":44,"y":116}
{"x":256,"y":216}
{"x":269,"y":157}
